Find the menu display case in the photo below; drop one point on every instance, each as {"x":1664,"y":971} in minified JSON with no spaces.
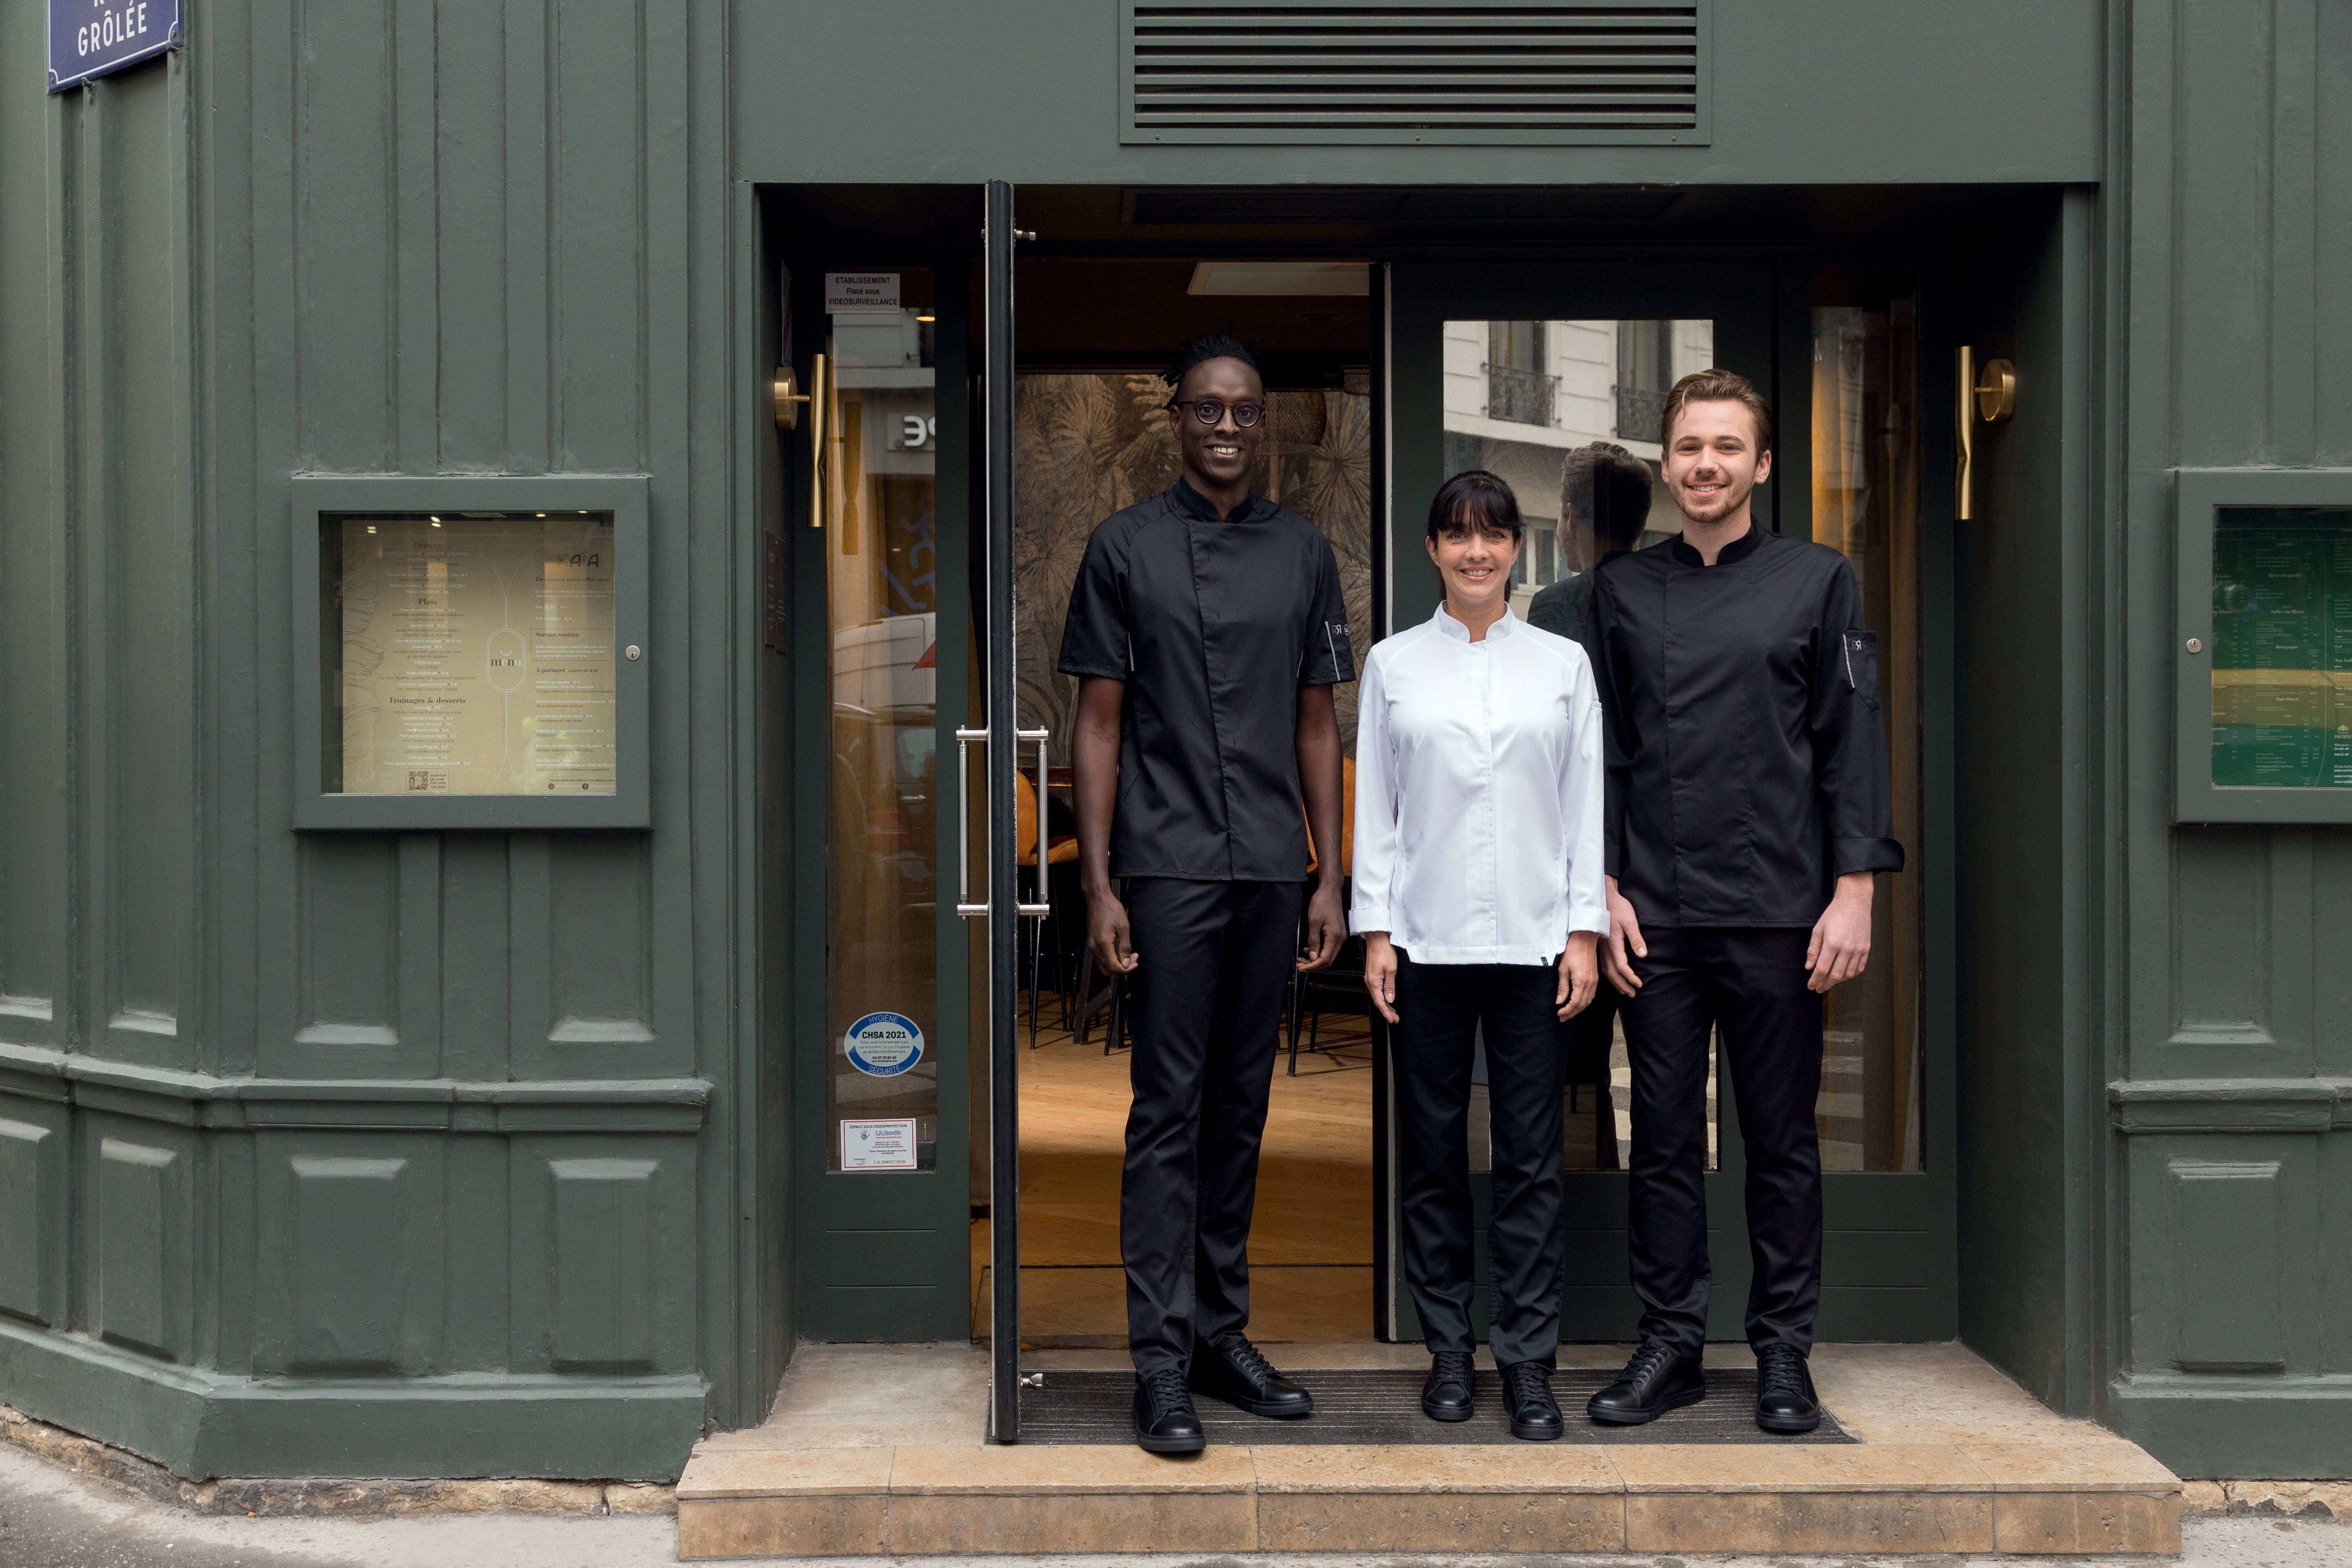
{"x":2263,"y":645}
{"x":476,"y":653}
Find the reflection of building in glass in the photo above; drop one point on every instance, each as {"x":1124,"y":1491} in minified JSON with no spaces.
{"x":1521,"y":395}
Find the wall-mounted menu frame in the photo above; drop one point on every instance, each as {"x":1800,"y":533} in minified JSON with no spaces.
{"x":551,"y":594}
{"x":2261,"y":644}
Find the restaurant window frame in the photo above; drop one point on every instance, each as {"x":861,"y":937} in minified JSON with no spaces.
{"x":624,"y":497}
{"x":2199,"y":497}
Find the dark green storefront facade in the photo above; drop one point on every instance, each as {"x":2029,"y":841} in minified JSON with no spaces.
{"x":462,"y":1145}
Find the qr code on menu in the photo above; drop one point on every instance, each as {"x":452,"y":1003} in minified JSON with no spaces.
{"x":419,"y":779}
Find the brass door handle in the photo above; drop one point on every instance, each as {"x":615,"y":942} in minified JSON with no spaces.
{"x":816,"y":442}
{"x":788,"y":397}
{"x":1992,"y":398}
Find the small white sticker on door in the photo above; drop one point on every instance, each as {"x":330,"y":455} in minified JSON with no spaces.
{"x":886,"y":1145}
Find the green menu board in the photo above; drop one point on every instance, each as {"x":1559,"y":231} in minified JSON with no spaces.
{"x":2282,"y":646}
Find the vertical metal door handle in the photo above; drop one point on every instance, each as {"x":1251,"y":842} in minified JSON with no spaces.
{"x":964,"y":905}
{"x":817,"y":442}
{"x":1037,"y":912}
{"x":1965,"y":507}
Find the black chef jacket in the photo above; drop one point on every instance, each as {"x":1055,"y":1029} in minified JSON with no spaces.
{"x":1746,"y":765}
{"x":1215,"y":626}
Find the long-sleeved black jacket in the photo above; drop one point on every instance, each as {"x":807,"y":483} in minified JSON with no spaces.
{"x":1747,"y":763}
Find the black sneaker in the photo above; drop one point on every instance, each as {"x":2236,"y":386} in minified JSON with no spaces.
{"x":1527,"y":1395}
{"x":1231,"y":1369}
{"x":1446,"y":1396}
{"x":1165,"y":1421}
{"x":1785,"y":1400}
{"x":1655,"y":1380}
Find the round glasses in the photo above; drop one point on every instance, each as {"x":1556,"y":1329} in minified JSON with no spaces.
{"x":1209,"y":410}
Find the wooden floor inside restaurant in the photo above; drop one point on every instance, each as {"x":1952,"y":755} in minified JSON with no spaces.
{"x":1311,"y":1239}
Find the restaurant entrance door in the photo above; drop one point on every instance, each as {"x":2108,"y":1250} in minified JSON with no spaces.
{"x":1511,"y":366}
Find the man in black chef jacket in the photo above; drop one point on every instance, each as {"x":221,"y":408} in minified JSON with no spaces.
{"x":1206,"y":629}
{"x":1748,"y":808}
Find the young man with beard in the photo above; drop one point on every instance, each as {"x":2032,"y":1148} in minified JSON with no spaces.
{"x":1206,"y":629}
{"x":1747,"y":810}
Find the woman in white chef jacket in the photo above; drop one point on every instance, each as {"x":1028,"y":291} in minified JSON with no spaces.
{"x":1478,"y":891}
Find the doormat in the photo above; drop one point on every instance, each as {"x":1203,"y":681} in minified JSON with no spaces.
{"x":1384,"y":1407}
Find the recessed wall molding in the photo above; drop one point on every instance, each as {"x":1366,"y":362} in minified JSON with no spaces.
{"x":200,"y":1099}
{"x":2230,"y":1105}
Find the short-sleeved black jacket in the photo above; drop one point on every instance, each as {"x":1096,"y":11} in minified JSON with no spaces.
{"x":1214,"y":625}
{"x":1746,"y":763}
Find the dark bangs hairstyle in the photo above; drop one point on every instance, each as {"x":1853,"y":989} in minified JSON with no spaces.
{"x":1475,"y":496}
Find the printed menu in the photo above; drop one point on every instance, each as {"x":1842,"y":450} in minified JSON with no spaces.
{"x":478,"y":655}
{"x":2283,"y":647}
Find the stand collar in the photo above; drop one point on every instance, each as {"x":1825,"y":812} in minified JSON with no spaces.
{"x":1193,"y":503}
{"x":1461,"y":634}
{"x":1738,"y":550}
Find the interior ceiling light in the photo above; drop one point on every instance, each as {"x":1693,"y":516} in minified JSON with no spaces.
{"x":1310,"y":277}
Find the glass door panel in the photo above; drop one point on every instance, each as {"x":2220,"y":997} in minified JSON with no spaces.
{"x":1865,"y":505}
{"x":1514,"y":366}
{"x":879,"y":475}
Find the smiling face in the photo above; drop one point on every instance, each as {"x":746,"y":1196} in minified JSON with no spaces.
{"x":1712,"y":463}
{"x":1475,"y":560}
{"x":1217,"y":456}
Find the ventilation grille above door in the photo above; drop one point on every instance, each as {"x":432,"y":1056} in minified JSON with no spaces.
{"x":1396,"y":72}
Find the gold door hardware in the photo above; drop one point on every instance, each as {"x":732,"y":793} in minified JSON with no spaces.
{"x":1992,"y":398}
{"x":1997,"y":392}
{"x":816,"y":442}
{"x":789,"y":398}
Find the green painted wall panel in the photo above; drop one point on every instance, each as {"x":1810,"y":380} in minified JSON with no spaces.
{"x":1805,"y":91}
{"x":2226,"y":994}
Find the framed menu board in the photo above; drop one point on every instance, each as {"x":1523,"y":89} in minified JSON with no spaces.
{"x":478,"y":654}
{"x":2263,"y":645}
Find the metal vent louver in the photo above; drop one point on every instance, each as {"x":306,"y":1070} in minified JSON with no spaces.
{"x":1387,"y":70}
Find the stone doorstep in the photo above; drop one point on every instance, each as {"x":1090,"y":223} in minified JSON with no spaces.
{"x":2098,"y":1496}
{"x":284,"y":1496}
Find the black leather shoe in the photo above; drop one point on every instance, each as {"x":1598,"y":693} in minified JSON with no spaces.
{"x":1655,"y":1380}
{"x":1446,"y":1396}
{"x":1527,"y":1395}
{"x":1785,"y":1400}
{"x":1233,"y":1371}
{"x":1165,"y":1421}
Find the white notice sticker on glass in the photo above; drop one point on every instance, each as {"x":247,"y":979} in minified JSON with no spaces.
{"x":878,"y":1145}
{"x":861,"y":290}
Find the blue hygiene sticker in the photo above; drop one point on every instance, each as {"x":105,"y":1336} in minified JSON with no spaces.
{"x":883,"y":1044}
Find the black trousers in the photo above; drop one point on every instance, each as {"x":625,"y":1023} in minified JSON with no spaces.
{"x":1207,"y":1001}
{"x":1750,"y":984}
{"x":1440,"y":1010}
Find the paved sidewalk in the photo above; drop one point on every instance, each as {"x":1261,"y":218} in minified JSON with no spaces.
{"x":53,"y":1518}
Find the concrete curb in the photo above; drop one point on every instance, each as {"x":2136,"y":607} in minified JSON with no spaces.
{"x":316,"y":1497}
{"x":2298,"y":1499}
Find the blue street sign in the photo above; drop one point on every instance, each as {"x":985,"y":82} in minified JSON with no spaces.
{"x":90,"y":37}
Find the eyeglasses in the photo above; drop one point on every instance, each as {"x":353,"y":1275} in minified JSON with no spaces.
{"x":1209,"y":410}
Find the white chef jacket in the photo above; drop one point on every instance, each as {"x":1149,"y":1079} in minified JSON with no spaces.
{"x":1479,"y":782}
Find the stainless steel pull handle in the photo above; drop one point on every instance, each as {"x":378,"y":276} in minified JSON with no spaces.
{"x":964,"y":905}
{"x":1038,"y":912}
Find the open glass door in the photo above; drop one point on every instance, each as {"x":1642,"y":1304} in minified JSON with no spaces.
{"x":1001,"y":740}
{"x":1513,"y":367}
